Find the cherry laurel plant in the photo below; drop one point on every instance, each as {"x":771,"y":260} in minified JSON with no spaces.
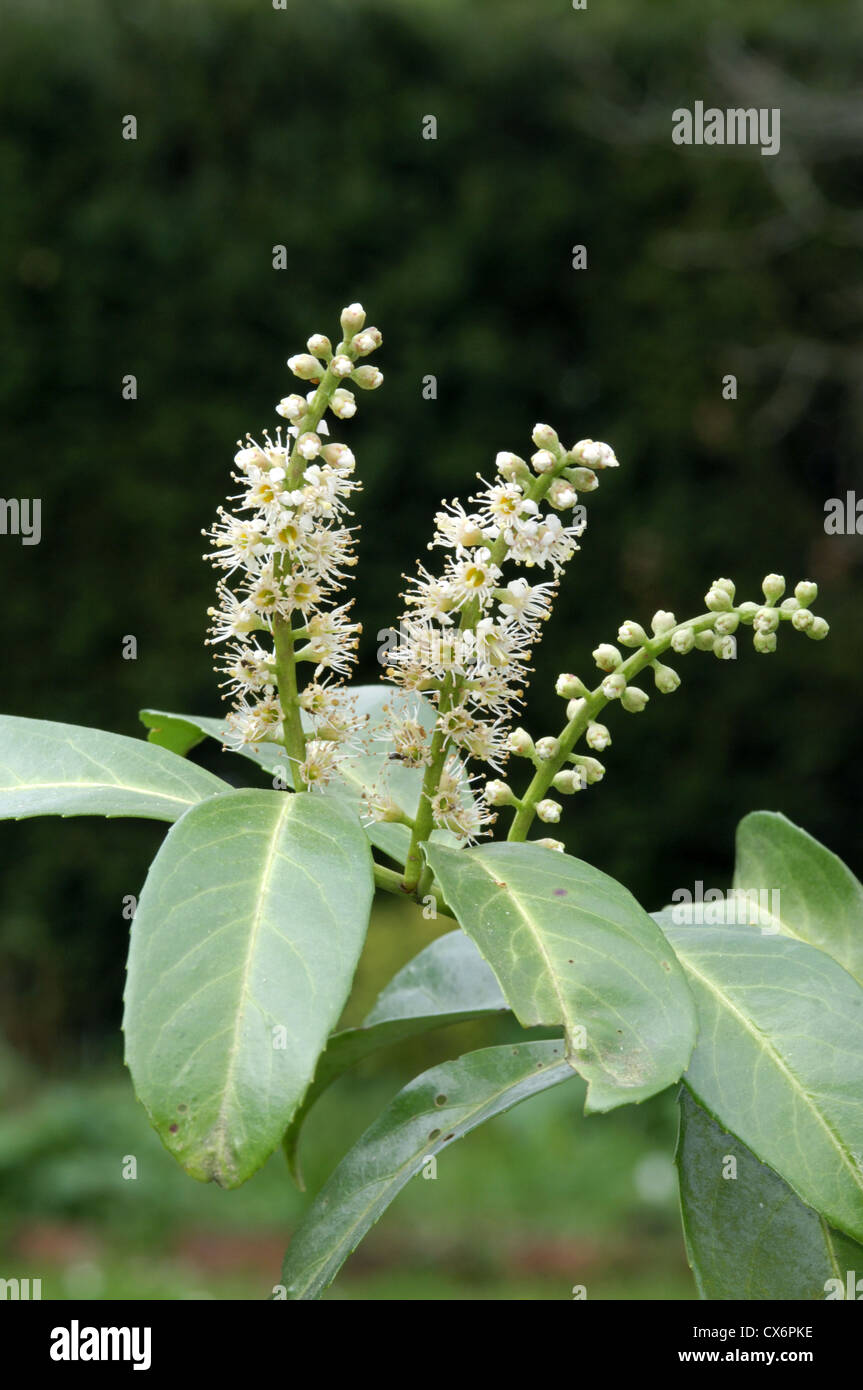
{"x":247,"y":933}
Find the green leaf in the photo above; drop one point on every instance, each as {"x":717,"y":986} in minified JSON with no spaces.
{"x":431,"y":1112}
{"x":818,"y":898}
{"x":448,"y":982}
{"x":779,"y":1059}
{"x":571,"y":947}
{"x":747,"y":1235}
{"x":356,"y":774}
{"x":243,"y":950}
{"x":49,"y":769}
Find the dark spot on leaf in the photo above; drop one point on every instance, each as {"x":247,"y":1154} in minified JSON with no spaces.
{"x":570,"y":962}
{"x":449,"y":1136}
{"x":173,"y":1128}
{"x":539,"y":1066}
{"x":665,"y":965}
{"x":515,"y":1052}
{"x":560,"y":892}
{"x":181,"y":1109}
{"x":440,"y":1100}
{"x":434,"y":1134}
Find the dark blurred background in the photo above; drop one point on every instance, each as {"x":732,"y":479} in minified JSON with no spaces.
{"x":303,"y":127}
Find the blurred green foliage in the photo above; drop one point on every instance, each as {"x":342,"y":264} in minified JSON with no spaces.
{"x":302,"y":128}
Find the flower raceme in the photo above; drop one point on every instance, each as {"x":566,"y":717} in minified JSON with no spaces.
{"x":285,"y":553}
{"x":558,"y":767}
{"x":468,"y":630}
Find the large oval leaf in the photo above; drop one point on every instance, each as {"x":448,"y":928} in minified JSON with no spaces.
{"x":818,"y":898}
{"x":49,"y":769}
{"x":747,"y":1235}
{"x":243,"y":950}
{"x":431,"y":1112}
{"x":571,"y":947}
{"x":448,"y":982}
{"x":779,"y":1059}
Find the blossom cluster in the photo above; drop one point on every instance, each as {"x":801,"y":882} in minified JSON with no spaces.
{"x":466,"y":635}
{"x":284,"y":551}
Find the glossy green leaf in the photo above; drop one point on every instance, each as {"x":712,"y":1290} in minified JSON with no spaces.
{"x":448,"y":982}
{"x":571,"y":947}
{"x":747,"y":1235}
{"x":243,"y":950}
{"x":431,"y":1112}
{"x":779,"y":1058}
{"x":813,"y":895}
{"x":49,"y":769}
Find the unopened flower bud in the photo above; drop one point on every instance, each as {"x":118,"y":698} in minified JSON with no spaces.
{"x":352,"y":319}
{"x":570,"y":780}
{"x":291,"y":408}
{"x":308,"y":445}
{"x":597,"y":737}
{"x":544,"y":437}
{"x":542,"y":461}
{"x":367,"y":341}
{"x":773,"y":587}
{"x":683,"y":641}
{"x":593,"y":453}
{"x":569,"y":686}
{"x":704,"y":640}
{"x":550,"y":844}
{"x":764,"y":642}
{"x":666,"y":679}
{"x":367,"y":378}
{"x":306,"y":367}
{"x":498,"y":794}
{"x":662,"y":622}
{"x":802,"y":619}
{"x":725,"y":647}
{"x":789,"y":605}
{"x":319,"y":345}
{"x":511,"y":467}
{"x":562,"y":494}
{"x":726,"y":623}
{"x":548,"y":811}
{"x":818,"y":629}
{"x":633,"y":699}
{"x":338,"y":456}
{"x":547,"y":748}
{"x":631,"y":634}
{"x":582,"y":479}
{"x":343,"y":403}
{"x":520,"y":743}
{"x":718,"y":600}
{"x":342,"y":365}
{"x":746,"y":611}
{"x":607,"y":657}
{"x":806,"y":592}
{"x":613,"y":686}
{"x":766,"y":620}
{"x":727,"y":584}
{"x":591,"y":767}
{"x":575,"y":709}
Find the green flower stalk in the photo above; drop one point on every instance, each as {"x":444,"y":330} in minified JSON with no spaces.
{"x":712,"y":631}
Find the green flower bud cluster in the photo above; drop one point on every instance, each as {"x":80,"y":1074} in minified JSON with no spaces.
{"x":558,"y":768}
